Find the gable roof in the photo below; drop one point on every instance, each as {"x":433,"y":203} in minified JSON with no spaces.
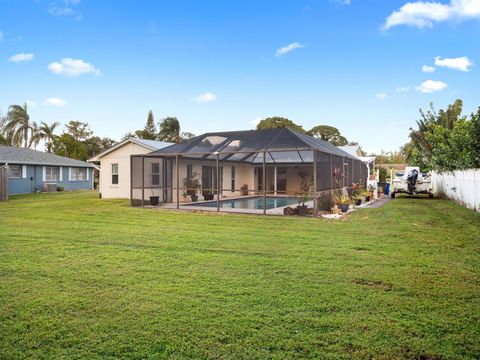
{"x":251,"y":141}
{"x":151,"y":145}
{"x":354,"y":150}
{"x":16,"y":155}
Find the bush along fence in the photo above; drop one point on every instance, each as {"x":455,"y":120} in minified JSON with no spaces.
{"x":462,"y":187}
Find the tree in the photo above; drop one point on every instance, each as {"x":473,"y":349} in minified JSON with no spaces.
{"x":187,"y":135}
{"x":96,"y":145}
{"x":129,"y":135}
{"x":446,"y":140}
{"x":277,"y":122}
{"x":170,"y":130}
{"x":328,"y":133}
{"x":149,"y":132}
{"x":66,"y":145}
{"x":47,"y":134}
{"x":19,"y":123}
{"x":79,"y":130}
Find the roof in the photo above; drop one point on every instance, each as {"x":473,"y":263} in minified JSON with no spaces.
{"x":151,"y":145}
{"x":237,"y":145}
{"x":17,"y":155}
{"x":354,"y":150}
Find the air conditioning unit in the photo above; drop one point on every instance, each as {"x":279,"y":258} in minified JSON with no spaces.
{"x":51,"y":187}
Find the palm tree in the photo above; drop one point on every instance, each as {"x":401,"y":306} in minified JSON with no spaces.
{"x":19,"y":122}
{"x":170,"y":130}
{"x":8,"y":137}
{"x":47,"y":134}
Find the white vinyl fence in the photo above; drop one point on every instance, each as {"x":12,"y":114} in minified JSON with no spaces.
{"x":462,"y":187}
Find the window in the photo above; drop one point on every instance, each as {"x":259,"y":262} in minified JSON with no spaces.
{"x":78,"y":174}
{"x":14,"y":171}
{"x":155,"y":174}
{"x":114,"y":174}
{"x":52,"y":173}
{"x":233,"y":179}
{"x":189,"y":171}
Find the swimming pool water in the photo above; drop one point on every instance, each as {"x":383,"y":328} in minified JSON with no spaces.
{"x":252,"y":203}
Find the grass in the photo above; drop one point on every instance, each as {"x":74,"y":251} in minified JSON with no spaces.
{"x":87,"y":278}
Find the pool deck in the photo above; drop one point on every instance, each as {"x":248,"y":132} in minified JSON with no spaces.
{"x":194,"y":207}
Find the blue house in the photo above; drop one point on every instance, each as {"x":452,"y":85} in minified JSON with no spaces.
{"x":31,"y":171}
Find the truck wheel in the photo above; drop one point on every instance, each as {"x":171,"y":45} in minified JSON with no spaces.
{"x":392,"y":195}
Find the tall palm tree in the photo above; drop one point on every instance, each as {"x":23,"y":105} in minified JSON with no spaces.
{"x":8,"y":136}
{"x":19,"y":122}
{"x":47,"y":134}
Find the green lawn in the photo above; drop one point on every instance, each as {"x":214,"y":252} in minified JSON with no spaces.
{"x":87,"y":278}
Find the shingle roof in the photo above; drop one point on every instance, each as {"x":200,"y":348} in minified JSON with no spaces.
{"x":149,"y":144}
{"x":252,"y":140}
{"x":16,"y":155}
{"x":154,"y":144}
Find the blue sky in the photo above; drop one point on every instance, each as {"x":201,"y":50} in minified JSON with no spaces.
{"x":221,"y":65}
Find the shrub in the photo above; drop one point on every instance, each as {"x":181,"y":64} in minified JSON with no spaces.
{"x":60,"y":188}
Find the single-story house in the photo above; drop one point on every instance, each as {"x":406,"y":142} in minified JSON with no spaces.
{"x":114,"y":165}
{"x":356,"y":150}
{"x":263,"y":165}
{"x":31,"y":171}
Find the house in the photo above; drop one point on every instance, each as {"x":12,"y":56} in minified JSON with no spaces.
{"x":114,"y":165}
{"x":356,"y":150}
{"x":264,"y":165}
{"x":31,"y":171}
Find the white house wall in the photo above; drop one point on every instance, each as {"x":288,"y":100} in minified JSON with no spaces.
{"x":120,"y":156}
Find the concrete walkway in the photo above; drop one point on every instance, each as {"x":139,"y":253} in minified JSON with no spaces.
{"x":378,"y":203}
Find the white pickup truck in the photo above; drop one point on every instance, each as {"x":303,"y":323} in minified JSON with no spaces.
{"x":412,"y":182}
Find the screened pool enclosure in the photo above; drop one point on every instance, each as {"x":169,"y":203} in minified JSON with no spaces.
{"x":225,"y":170}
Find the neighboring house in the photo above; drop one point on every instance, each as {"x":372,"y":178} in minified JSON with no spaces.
{"x":282,"y":162}
{"x":30,"y":170}
{"x":356,"y":150}
{"x":114,"y":165}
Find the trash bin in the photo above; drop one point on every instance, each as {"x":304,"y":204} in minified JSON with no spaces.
{"x":387,"y":189}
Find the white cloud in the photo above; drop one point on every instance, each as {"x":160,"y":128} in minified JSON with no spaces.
{"x":402,"y":89}
{"x":461,"y":63}
{"x":73,"y":67}
{"x":431,"y":86}
{"x":381,"y":96}
{"x":205,"y":98}
{"x":423,"y":14}
{"x":31,"y":104}
{"x":428,"y":69}
{"x":55,"y":102}
{"x":286,"y":49}
{"x":63,"y":8}
{"x":21,"y":57}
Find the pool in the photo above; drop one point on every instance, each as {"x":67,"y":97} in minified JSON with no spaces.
{"x":251,"y":203}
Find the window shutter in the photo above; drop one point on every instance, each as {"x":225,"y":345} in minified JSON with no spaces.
{"x":24,"y":171}
{"x":44,"y":173}
{"x":60,"y":170}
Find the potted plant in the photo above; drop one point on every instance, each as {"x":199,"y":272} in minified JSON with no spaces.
{"x":154,"y":200}
{"x":370,"y":191}
{"x":207,"y":195}
{"x":302,"y":208}
{"x":343,"y":203}
{"x":184,"y":195}
{"x":192,"y":185}
{"x":358,"y":199}
{"x":244,"y":190}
